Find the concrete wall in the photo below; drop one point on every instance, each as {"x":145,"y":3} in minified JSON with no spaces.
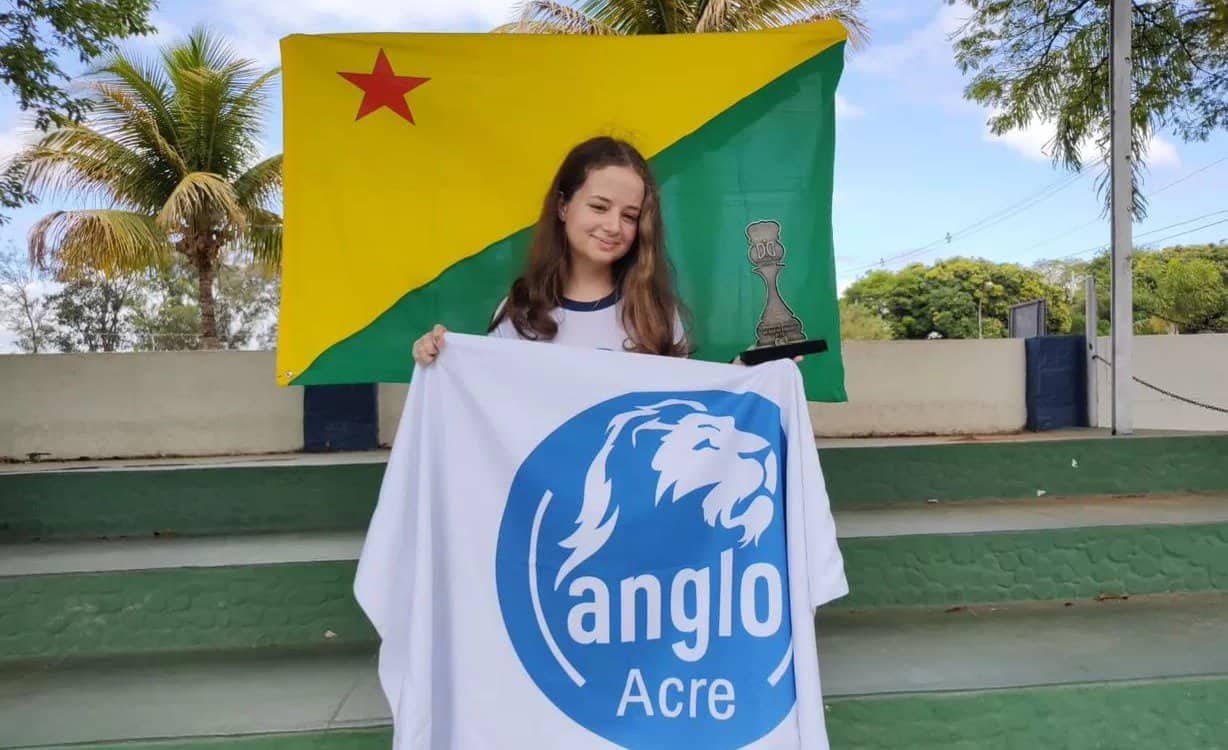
{"x":928,"y":388}
{"x":1192,"y":366}
{"x":391,"y":402}
{"x":65,"y":406}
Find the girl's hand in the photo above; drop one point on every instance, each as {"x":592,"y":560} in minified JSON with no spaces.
{"x":427,"y":348}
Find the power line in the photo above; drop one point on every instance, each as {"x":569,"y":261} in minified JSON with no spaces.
{"x":983,"y":223}
{"x":1028,"y":202}
{"x":1157,"y":191}
{"x":1004,"y":215}
{"x":1103,"y":246}
{"x":1183,"y":178}
{"x":1066,"y":233}
{"x":1188,"y":231}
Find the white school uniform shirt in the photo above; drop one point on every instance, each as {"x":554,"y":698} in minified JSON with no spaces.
{"x":590,"y":325}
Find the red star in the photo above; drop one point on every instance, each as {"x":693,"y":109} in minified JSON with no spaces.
{"x":383,"y":88}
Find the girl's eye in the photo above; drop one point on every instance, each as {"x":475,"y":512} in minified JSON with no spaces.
{"x":596,"y":207}
{"x":631,"y":218}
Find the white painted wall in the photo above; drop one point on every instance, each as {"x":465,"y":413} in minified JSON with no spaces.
{"x":1194,"y":366}
{"x":941,"y":387}
{"x":66,"y":406}
{"x":391,"y":399}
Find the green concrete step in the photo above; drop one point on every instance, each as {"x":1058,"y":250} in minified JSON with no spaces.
{"x":161,"y":595}
{"x":1151,"y":672}
{"x":314,"y":493}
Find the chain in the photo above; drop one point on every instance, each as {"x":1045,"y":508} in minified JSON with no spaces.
{"x":1170,"y":394}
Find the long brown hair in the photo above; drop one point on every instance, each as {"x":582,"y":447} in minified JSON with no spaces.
{"x":643,"y":277}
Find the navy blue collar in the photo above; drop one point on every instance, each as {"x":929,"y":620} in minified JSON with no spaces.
{"x":599,"y":304}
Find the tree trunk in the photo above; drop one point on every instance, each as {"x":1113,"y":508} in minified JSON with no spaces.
{"x":206,"y":272}
{"x":36,"y":340}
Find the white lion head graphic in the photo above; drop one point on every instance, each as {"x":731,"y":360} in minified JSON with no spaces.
{"x":701,"y":455}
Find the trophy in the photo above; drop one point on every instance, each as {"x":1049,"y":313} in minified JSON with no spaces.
{"x":779,"y":332}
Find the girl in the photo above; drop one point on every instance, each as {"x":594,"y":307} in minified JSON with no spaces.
{"x":597,"y":273}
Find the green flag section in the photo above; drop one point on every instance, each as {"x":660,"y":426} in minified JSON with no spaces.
{"x":767,"y":158}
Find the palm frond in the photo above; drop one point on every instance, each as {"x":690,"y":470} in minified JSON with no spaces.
{"x":550,"y":17}
{"x":676,"y":17}
{"x":714,"y":15}
{"x":262,"y":240}
{"x":145,"y":83}
{"x":260,"y":184}
{"x":218,"y":103}
{"x":78,"y":159}
{"x":118,"y":112}
{"x":639,"y":16}
{"x":526,"y":27}
{"x":202,"y":199}
{"x":682,"y":16}
{"x":237,"y":130}
{"x":849,"y":16}
{"x":201,"y":48}
{"x":170,"y":151}
{"x":771,"y":14}
{"x":73,"y":242}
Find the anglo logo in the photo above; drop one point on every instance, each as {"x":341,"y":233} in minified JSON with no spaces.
{"x":641,"y":570}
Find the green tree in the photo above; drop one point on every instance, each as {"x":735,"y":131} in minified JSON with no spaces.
{"x":172,"y":148}
{"x":93,"y":313}
{"x":1184,"y":292}
{"x":169,"y":319}
{"x":858,"y":323}
{"x":33,"y":34}
{"x":682,"y":16}
{"x":957,"y":298}
{"x":24,"y":309}
{"x":1048,"y":60}
{"x":1181,"y":289}
{"x":247,"y":300}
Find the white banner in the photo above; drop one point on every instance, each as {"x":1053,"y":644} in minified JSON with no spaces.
{"x":588,"y":549}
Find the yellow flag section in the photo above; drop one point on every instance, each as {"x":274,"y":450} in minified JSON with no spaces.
{"x":405,"y":154}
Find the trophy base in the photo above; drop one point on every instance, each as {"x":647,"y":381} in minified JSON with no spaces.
{"x":761,"y":354}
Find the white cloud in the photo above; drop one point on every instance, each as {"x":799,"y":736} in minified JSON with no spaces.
{"x":927,"y":47}
{"x":10,"y":143}
{"x":14,"y":139}
{"x":919,"y":69}
{"x":167,"y":31}
{"x":846,"y":110}
{"x":885,"y":13}
{"x":379,"y":15}
{"x":256,"y":28}
{"x":1162,"y":153}
{"x":1035,"y":142}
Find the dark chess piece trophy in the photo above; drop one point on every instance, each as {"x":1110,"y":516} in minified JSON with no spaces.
{"x":779,"y":333}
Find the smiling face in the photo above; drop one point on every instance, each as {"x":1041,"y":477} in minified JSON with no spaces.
{"x":602,"y":217}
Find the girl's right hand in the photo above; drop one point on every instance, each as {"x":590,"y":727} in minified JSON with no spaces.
{"x":426,"y":349}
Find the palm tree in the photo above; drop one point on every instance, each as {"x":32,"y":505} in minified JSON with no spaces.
{"x":682,"y":16}
{"x":170,"y":155}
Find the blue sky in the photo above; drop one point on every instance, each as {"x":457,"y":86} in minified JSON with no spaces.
{"x":914,"y":160}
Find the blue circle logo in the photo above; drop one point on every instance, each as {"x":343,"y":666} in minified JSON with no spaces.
{"x":641,"y":570}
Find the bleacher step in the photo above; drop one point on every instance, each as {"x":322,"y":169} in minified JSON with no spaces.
{"x":875,"y":667}
{"x":295,"y":590}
